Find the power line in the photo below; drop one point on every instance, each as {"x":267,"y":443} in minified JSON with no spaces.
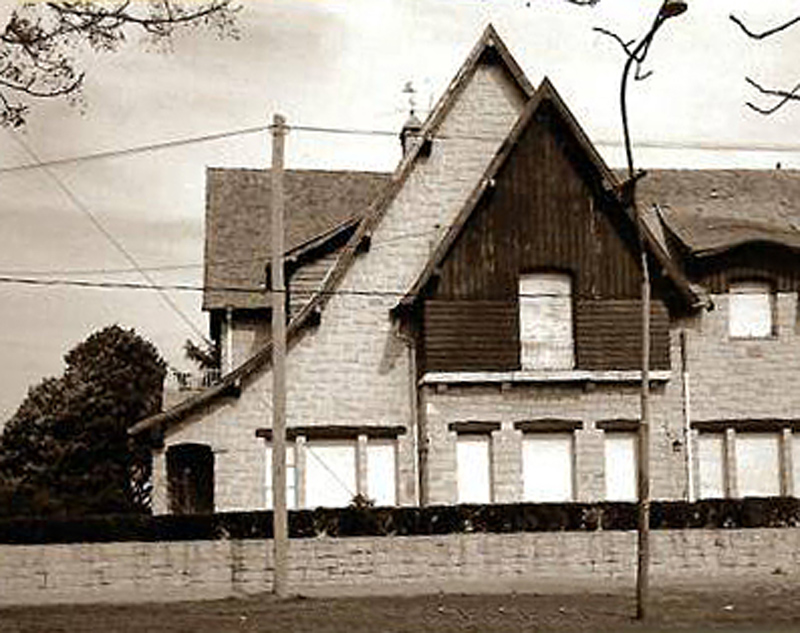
{"x":110,"y":237}
{"x":173,"y":267}
{"x":129,"y":151}
{"x":205,"y":138}
{"x":121,"y":285}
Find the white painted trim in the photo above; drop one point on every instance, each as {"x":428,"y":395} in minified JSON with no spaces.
{"x":572,"y":375}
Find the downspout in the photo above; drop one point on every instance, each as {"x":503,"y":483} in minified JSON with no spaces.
{"x":416,"y":419}
{"x":687,"y":420}
{"x":228,"y":339}
{"x":413,"y":394}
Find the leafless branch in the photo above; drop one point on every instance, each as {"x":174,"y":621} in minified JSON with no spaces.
{"x":627,"y":47}
{"x":784,"y":96}
{"x":763,"y":34}
{"x":39,"y":45}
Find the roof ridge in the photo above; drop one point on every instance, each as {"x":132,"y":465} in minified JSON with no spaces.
{"x":299,"y":170}
{"x":545,"y":92}
{"x":489,"y":39}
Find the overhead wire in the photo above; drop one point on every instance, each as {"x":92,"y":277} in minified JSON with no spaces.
{"x":122,"y":285}
{"x":119,"y":246}
{"x":216,"y":136}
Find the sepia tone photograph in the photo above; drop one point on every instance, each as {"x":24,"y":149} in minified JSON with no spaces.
{"x":399,"y":315}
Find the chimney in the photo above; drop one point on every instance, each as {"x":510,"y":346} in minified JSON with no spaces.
{"x":411,"y":129}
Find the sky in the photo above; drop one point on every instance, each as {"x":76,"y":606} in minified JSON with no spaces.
{"x":335,"y":64}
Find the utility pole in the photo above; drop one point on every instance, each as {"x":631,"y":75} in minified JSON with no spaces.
{"x":280,"y":538}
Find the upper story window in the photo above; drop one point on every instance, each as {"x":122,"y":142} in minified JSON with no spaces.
{"x":545,"y":321}
{"x":751,"y":308}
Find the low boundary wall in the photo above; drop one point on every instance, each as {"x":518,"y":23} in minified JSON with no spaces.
{"x":527,"y":561}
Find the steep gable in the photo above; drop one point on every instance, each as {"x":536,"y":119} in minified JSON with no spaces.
{"x":355,"y":341}
{"x":547,"y":202}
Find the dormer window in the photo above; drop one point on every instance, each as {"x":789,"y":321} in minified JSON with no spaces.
{"x":545,"y":321}
{"x":751,"y":308}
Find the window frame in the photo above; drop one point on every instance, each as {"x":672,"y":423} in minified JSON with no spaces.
{"x":752,"y":286}
{"x":482,"y":435}
{"x":529,"y":437}
{"x":554,"y":275}
{"x":787,"y":434}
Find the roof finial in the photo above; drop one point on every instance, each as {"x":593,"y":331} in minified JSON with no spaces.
{"x":410,"y":91}
{"x":413,"y":125}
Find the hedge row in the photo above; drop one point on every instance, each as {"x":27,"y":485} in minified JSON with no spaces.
{"x":366,"y":521}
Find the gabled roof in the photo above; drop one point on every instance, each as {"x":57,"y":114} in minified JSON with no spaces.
{"x":238,"y":219}
{"x":711,"y":210}
{"x":545,"y":93}
{"x":489,"y":43}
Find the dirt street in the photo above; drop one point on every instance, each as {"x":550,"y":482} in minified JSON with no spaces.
{"x":772,"y":608}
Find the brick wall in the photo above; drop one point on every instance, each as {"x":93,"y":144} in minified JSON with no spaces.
{"x":544,"y":561}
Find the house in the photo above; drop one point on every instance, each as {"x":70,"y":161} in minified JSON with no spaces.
{"x":468,"y":329}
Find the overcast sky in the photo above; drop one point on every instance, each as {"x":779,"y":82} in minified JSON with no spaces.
{"x":332,"y":64}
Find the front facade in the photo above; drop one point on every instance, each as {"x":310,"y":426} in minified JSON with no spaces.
{"x":468,"y":328}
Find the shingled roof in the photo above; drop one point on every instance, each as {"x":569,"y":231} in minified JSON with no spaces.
{"x":238,"y":223}
{"x":713,"y":210}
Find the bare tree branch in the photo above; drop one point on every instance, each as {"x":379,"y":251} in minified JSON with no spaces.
{"x":784,"y":97}
{"x":626,"y":46}
{"x":39,"y":45}
{"x":763,"y":34}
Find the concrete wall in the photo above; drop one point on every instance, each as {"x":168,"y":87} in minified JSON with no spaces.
{"x":545,"y":561}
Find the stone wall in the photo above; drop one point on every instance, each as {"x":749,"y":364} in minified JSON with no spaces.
{"x":543,"y":561}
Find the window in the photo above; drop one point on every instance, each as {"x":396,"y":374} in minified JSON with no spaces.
{"x":547,"y":467}
{"x":711,"y":461}
{"x":330,"y":473}
{"x":757,"y":464}
{"x":751,"y":307}
{"x":796,"y":464}
{"x":545,"y":321}
{"x":381,"y":472}
{"x":473,"y":468}
{"x":620,"y":466}
{"x":291,"y":477}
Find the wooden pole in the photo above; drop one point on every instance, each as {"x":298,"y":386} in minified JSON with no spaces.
{"x":643,"y":462}
{"x":280,"y":522}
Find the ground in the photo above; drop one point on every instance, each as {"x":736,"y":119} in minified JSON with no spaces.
{"x":755,"y":609}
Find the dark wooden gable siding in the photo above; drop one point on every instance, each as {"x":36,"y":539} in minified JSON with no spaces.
{"x":545,"y":212}
{"x":770,"y":262}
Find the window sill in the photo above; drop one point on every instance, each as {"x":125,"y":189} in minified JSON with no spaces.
{"x":553,"y":376}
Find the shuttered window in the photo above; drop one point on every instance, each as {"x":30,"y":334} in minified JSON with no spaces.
{"x":711,"y":463}
{"x":473,"y":465}
{"x":545,"y":321}
{"x":330,"y":473}
{"x":758,"y":464}
{"x":620,"y":466}
{"x":547,"y":467}
{"x":381,"y":472}
{"x":291,"y":478}
{"x":751,"y":308}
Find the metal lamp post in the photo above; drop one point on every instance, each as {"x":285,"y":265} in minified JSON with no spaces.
{"x":669,"y":9}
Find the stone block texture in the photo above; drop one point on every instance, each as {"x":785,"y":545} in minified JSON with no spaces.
{"x":355,"y":369}
{"x":533,"y":561}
